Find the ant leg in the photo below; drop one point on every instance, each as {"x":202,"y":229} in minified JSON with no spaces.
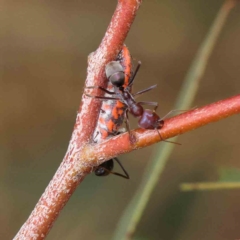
{"x":95,"y":137}
{"x":145,"y":90}
{"x":102,"y":98}
{"x":131,"y":136}
{"x":161,"y":138}
{"x":134,"y":74}
{"x":127,"y":121}
{"x":101,"y":88}
{"x":150,"y":104}
{"x":126,"y":174}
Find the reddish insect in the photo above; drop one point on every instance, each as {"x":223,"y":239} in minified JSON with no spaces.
{"x":112,"y":114}
{"x":148,"y":119}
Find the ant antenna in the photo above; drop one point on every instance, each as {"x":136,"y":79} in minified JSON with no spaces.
{"x":169,"y":113}
{"x":134,"y":74}
{"x":161,"y":138}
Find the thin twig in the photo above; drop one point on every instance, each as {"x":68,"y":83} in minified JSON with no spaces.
{"x":200,"y":186}
{"x":99,"y":153}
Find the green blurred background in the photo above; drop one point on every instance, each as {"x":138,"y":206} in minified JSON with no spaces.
{"x":44,"y":49}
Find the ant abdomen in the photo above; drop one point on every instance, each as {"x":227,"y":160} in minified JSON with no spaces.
{"x":115,"y":73}
{"x":150,"y":120}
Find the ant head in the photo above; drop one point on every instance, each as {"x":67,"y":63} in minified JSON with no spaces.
{"x":115,"y":73}
{"x":105,"y":168}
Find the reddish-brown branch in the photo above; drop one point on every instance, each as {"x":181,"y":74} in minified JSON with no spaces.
{"x":71,"y":172}
{"x":174,"y":126}
{"x":82,"y":157}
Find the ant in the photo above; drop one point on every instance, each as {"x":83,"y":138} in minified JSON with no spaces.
{"x":148,"y":119}
{"x":105,"y":169}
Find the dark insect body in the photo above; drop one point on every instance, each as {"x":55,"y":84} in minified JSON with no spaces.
{"x":147,"y":119}
{"x":106,"y":168}
{"x":112,"y":115}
